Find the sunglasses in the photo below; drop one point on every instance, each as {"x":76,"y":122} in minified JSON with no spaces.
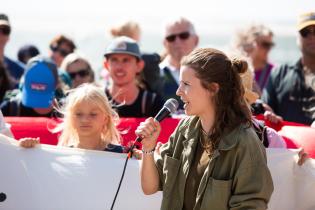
{"x":183,"y":36}
{"x":306,"y":32}
{"x":266,"y":45}
{"x":62,"y":52}
{"x":5,"y":30}
{"x":82,"y":73}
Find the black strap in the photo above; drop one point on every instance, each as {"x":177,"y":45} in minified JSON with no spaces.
{"x":147,"y":102}
{"x":261,"y":131}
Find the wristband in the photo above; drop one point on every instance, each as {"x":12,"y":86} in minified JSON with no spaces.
{"x":148,"y":152}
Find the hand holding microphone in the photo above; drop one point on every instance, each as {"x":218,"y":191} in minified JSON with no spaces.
{"x":149,"y":130}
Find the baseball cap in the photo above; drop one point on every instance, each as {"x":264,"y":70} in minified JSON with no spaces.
{"x":305,"y":20}
{"x":123,"y":45}
{"x":40,"y":82}
{"x":4,"y":20}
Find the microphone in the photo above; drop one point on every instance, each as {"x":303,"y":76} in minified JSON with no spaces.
{"x":170,"y":106}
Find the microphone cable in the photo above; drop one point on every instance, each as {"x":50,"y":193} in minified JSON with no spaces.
{"x":170,"y":106}
{"x":129,"y":155}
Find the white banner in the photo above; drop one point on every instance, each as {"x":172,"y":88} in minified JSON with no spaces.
{"x":51,"y":178}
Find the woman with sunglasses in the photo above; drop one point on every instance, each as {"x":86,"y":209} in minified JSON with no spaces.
{"x":78,"y":68}
{"x":60,"y":47}
{"x":256,"y":42}
{"x":214,"y":159}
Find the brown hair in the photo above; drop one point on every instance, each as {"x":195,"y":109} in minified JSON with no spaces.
{"x":213,"y":66}
{"x":61,"y":39}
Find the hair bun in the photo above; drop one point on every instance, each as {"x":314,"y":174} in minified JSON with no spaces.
{"x":239,"y":65}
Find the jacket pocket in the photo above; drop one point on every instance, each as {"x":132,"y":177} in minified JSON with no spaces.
{"x":217,"y":194}
{"x":170,"y":171}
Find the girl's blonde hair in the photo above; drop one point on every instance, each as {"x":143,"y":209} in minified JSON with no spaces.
{"x":94,"y":95}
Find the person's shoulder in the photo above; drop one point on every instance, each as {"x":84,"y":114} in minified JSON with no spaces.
{"x":247,"y":135}
{"x":12,"y":106}
{"x":288,"y":66}
{"x":13,"y":64}
{"x":248,"y":144}
{"x":11,"y":61}
{"x":151,"y":57}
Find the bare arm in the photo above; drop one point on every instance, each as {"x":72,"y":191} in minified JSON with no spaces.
{"x":149,"y":131}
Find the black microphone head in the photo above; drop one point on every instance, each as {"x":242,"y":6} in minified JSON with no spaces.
{"x":172,"y":105}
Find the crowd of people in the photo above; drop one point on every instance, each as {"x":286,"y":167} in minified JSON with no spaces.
{"x":216,"y":154}
{"x":285,"y":90}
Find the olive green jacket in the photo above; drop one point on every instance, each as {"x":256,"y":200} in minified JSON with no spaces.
{"x":237,"y":176}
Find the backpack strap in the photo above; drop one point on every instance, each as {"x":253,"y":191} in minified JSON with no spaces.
{"x":147,"y":102}
{"x":143,"y":102}
{"x":261,"y":131}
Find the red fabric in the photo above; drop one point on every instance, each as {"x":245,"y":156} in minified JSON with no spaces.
{"x":296,"y":135}
{"x":41,"y":127}
{"x":299,"y":136}
{"x":277,"y":126}
{"x":33,"y":127}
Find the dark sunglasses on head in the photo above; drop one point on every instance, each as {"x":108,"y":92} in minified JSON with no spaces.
{"x":5,"y":30}
{"x":183,"y":36}
{"x":305,"y":32}
{"x":82,"y":73}
{"x":62,"y":52}
{"x":267,"y":45}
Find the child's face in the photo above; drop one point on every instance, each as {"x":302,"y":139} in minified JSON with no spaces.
{"x":123,"y":68}
{"x":88,"y":120}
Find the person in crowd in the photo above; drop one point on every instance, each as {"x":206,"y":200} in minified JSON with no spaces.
{"x":37,"y":97}
{"x":27,"y":52}
{"x":88,"y":122}
{"x":14,"y":69}
{"x":180,"y":38}
{"x":214,"y":159}
{"x":5,"y":82}
{"x":149,"y":78}
{"x":290,"y":90}
{"x":256,"y":42}
{"x":123,"y":62}
{"x":269,"y":137}
{"x":60,"y":47}
{"x":78,"y":68}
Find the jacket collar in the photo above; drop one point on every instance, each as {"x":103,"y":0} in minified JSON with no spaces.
{"x":190,"y":130}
